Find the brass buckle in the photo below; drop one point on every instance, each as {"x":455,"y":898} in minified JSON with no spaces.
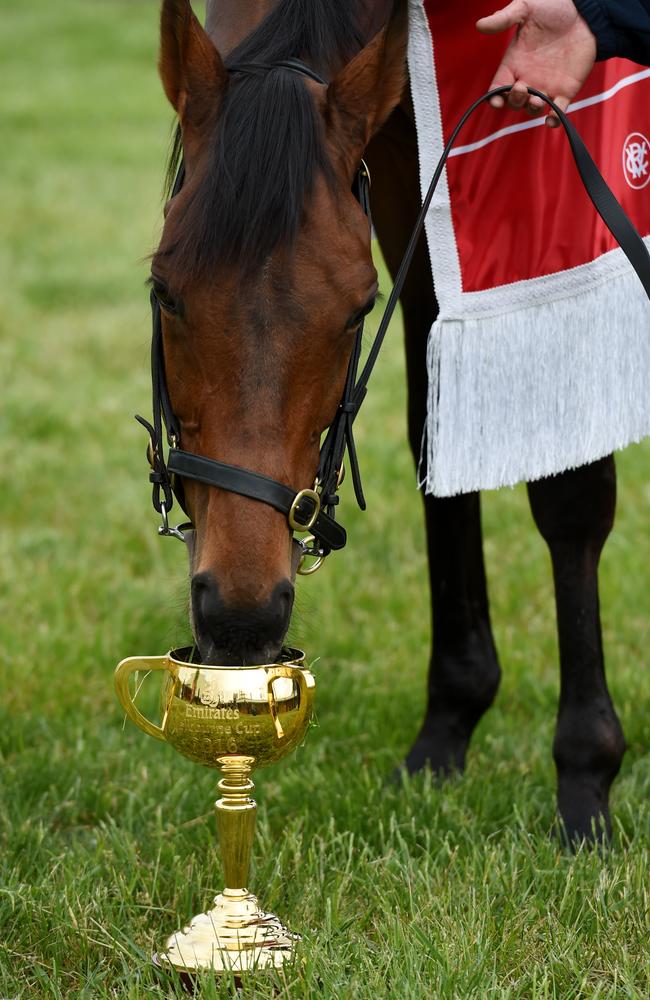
{"x":366,"y":170}
{"x":152,"y":452}
{"x":293,"y":510}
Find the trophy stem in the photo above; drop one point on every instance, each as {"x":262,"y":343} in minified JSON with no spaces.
{"x":236,"y":816}
{"x":236,"y":934}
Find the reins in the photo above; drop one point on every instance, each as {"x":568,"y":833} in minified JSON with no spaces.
{"x":312,"y":510}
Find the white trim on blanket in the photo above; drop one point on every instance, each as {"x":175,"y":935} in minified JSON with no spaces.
{"x":428,"y":117}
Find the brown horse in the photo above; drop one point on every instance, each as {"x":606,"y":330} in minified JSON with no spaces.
{"x":263,"y":275}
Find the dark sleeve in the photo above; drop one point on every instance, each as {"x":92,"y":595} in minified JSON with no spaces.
{"x":621,"y":27}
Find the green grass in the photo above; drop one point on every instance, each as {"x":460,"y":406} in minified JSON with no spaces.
{"x":107,"y":839}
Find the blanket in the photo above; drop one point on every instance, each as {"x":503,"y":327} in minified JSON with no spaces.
{"x":539,"y":360}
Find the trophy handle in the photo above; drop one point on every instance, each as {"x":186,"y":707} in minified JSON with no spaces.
{"x":122,"y":673}
{"x":293,"y":673}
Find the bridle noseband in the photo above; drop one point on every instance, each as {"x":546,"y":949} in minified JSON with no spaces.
{"x":312,"y":510}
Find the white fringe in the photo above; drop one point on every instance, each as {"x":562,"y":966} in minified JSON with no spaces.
{"x":534,"y":392}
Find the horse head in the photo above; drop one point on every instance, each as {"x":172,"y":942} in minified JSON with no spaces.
{"x":263,"y":275}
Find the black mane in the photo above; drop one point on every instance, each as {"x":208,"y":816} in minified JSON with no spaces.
{"x":268,"y":144}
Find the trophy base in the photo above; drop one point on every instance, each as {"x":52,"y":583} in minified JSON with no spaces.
{"x":234,"y":936}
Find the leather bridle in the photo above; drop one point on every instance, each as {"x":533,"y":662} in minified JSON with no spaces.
{"x":312,"y":510}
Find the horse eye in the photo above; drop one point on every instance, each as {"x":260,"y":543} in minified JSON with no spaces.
{"x":358,"y":316}
{"x":165,"y":299}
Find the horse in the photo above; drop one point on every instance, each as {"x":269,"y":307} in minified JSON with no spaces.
{"x":262,"y":278}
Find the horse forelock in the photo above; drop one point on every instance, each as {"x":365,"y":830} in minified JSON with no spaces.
{"x":267,"y":146}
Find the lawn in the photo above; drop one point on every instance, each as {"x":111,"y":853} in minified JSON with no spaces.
{"x":107,"y":839}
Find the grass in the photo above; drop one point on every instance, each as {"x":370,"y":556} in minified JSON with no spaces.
{"x":107,"y":840}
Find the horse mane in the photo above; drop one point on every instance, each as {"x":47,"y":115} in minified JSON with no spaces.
{"x":268,"y":143}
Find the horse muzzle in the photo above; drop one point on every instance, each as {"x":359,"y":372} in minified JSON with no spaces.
{"x":232,"y":634}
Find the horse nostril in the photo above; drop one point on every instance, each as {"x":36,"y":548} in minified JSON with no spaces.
{"x":283,"y":597}
{"x":205,"y":594}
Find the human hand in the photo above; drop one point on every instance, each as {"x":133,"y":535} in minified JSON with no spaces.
{"x":553,"y":51}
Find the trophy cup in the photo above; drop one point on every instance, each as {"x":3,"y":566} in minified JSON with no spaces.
{"x":234,"y":719}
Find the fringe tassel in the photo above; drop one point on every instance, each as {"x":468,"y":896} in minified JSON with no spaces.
{"x":534,"y":392}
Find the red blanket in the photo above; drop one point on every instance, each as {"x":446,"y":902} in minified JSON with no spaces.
{"x":541,"y":316}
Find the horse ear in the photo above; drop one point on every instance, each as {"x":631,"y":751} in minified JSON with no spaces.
{"x":192,"y":71}
{"x":369,"y":87}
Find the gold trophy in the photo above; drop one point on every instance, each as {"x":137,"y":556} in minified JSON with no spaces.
{"x":235,"y":719}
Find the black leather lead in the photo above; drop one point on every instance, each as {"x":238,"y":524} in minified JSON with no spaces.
{"x":306,"y":510}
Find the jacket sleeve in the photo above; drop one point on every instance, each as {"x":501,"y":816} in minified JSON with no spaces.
{"x":621,"y":27}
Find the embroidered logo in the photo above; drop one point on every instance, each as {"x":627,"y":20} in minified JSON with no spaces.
{"x":636,"y":160}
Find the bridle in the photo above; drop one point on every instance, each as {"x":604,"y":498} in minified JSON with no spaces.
{"x":309,"y":510}
{"x":312,"y":510}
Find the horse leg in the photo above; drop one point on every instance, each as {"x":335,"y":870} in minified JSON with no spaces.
{"x":575,"y":513}
{"x":464,"y":671}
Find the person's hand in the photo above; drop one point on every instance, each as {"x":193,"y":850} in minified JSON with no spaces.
{"x":553,"y":51}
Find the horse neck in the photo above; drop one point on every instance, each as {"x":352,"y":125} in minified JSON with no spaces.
{"x":374,"y":15}
{"x":228,"y":22}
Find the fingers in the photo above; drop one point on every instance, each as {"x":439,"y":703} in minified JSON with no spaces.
{"x":520,"y":99}
{"x":535,"y":105}
{"x":502,"y":78}
{"x":503,"y":19}
{"x":552,"y":119}
{"x":518,"y":96}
